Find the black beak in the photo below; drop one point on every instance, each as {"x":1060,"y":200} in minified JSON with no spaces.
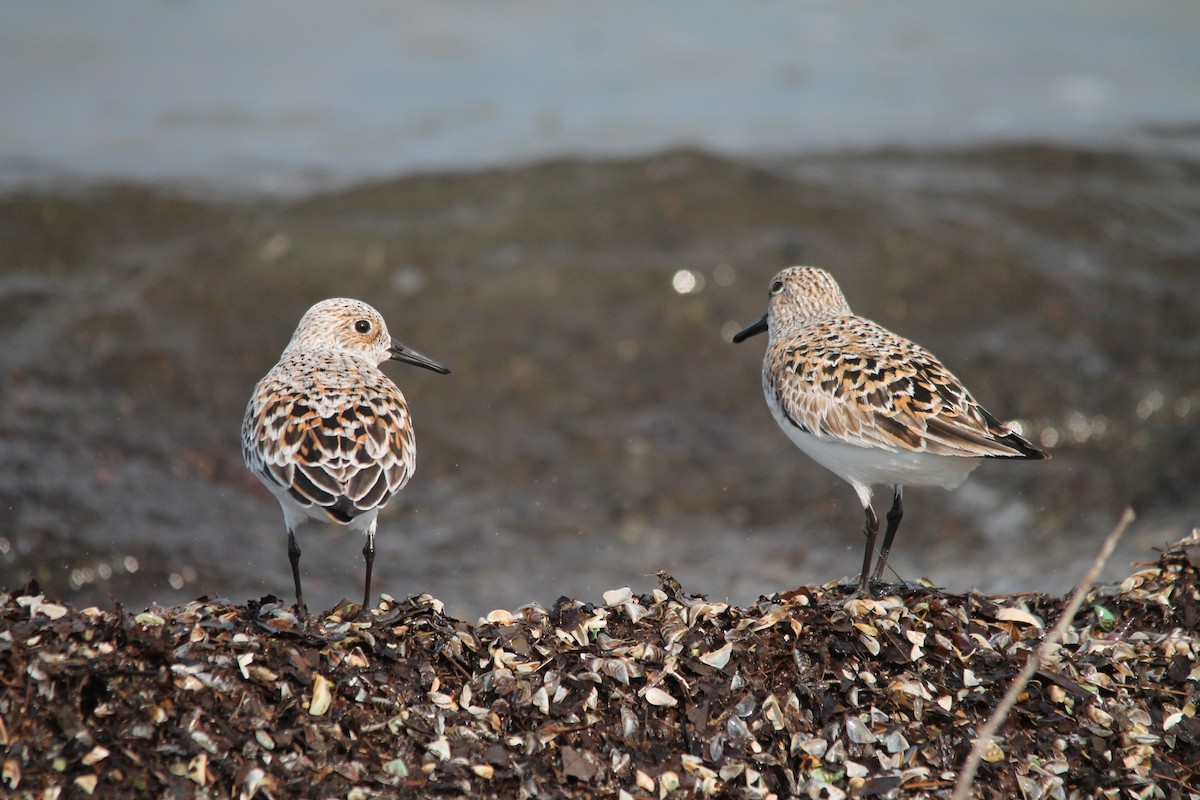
{"x":401,"y":352}
{"x":751,"y":330}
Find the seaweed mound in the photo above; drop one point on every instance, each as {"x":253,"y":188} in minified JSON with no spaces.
{"x":809,"y":693}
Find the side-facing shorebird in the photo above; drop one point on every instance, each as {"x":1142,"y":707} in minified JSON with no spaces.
{"x":868,"y":405}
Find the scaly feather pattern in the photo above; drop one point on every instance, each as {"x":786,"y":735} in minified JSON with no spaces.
{"x":868,"y":405}
{"x":853,"y":381}
{"x":326,"y":431}
{"x":333,"y":431}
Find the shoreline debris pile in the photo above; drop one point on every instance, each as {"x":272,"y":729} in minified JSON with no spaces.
{"x":811,"y":693}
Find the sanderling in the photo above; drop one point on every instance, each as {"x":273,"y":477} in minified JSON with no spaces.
{"x":327,"y":432}
{"x":868,"y":405}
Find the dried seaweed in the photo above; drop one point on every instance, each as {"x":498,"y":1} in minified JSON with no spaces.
{"x":809,"y":693}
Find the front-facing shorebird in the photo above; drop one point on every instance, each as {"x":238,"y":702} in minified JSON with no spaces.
{"x":868,"y":405}
{"x":327,"y":432}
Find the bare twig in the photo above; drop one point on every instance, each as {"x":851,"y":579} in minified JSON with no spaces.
{"x":966,"y":777}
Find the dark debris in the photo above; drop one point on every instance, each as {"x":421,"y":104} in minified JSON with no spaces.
{"x":661,"y":694}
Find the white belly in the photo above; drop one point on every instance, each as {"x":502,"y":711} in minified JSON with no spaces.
{"x":864,"y":467}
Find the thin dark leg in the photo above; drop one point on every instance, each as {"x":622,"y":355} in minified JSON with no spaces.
{"x":369,"y":555}
{"x":893,"y":519}
{"x":294,"y":557}
{"x":870,"y":530}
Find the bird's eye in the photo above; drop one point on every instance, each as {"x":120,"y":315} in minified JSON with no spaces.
{"x":776,"y":287}
{"x":363,"y":326}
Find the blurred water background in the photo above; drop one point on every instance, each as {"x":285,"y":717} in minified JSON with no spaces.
{"x":574,"y":206}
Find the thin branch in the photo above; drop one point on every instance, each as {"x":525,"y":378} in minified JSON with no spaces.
{"x":1036,"y":659}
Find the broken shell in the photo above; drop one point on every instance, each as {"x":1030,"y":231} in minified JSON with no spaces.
{"x":1019,"y":615}
{"x":1099,"y":716}
{"x":673,"y":629}
{"x":541,"y":700}
{"x":858,"y":732}
{"x":635,"y":611}
{"x":615,"y":668}
{"x":616,"y":597}
{"x":860,"y":607}
{"x":204,"y":740}
{"x":95,"y":755}
{"x":37,"y":605}
{"x":255,"y":779}
{"x":718,"y":658}
{"x":992,"y":752}
{"x":658,"y":697}
{"x":698,"y":610}
{"x":322,"y":699}
{"x":441,"y":700}
{"x":910,"y":687}
{"x":629,"y":723}
{"x":197,"y":770}
{"x":773,"y":617}
{"x":1172,"y":718}
{"x":440,"y":747}
{"x":500,"y":616}
{"x":870,"y":643}
{"x":773,"y":713}
{"x":644,"y":781}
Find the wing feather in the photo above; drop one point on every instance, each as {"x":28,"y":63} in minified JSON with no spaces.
{"x":852,"y":380}
{"x":347,"y":447}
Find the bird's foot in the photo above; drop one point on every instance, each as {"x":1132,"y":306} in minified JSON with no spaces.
{"x":865,"y":591}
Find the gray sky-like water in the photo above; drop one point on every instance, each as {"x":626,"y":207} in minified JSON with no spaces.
{"x":289,"y":96}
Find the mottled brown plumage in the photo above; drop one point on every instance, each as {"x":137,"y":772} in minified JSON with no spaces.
{"x":870,"y":406}
{"x":326,"y":431}
{"x":851,"y":380}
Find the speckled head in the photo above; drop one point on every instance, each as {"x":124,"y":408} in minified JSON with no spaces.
{"x":355,"y":328}
{"x":800,"y":296}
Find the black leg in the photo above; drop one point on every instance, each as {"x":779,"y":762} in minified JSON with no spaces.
{"x":294,"y":557}
{"x":893,"y":519}
{"x":870,"y":530}
{"x":368,"y":554}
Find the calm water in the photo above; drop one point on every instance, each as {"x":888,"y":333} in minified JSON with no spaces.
{"x":288,"y":95}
